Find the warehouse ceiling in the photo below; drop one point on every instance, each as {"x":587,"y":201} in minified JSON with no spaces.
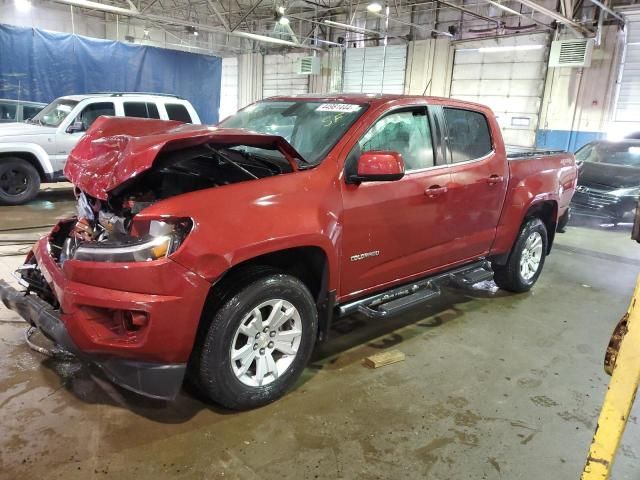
{"x":236,"y":26}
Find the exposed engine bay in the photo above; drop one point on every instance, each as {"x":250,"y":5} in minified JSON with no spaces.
{"x":102,"y":229}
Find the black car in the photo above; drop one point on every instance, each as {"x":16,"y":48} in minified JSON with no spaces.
{"x":608,"y":181}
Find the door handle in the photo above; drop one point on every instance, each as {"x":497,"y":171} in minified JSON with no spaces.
{"x":435,"y":191}
{"x":495,"y":179}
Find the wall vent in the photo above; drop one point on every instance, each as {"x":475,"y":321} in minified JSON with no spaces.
{"x":309,"y":66}
{"x":571,"y":53}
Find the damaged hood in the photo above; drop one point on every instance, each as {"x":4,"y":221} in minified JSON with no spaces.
{"x":116,"y":149}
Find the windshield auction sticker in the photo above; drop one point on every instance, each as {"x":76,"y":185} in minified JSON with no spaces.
{"x":338,"y":107}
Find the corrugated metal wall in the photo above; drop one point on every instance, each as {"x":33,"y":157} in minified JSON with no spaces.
{"x":281,"y":77}
{"x":229,"y":87}
{"x":510,"y":81}
{"x":364,"y":72}
{"x":628,"y":105}
{"x":429,"y":67}
{"x":250,"y":72}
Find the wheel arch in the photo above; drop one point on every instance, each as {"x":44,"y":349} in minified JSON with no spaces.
{"x":30,"y":157}
{"x":309,"y":263}
{"x":547,"y":211}
{"x":544,"y":209}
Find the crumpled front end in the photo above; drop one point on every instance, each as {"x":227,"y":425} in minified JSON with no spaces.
{"x":136,"y":320}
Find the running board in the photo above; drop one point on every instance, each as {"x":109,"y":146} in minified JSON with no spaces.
{"x":406,"y":297}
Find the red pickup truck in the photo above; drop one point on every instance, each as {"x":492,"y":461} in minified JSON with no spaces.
{"x":224,"y":253}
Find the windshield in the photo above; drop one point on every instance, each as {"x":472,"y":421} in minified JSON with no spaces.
{"x":624,"y":153}
{"x":53,"y":114}
{"x":313,"y":128}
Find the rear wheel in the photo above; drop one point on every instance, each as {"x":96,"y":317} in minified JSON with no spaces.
{"x":526,"y":259}
{"x":258,"y":343}
{"x":19,"y":181}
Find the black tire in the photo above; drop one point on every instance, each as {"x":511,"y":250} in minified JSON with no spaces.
{"x":509,"y":276}
{"x":212,"y":370}
{"x":19,"y":181}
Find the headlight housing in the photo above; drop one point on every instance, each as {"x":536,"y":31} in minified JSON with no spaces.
{"x":163,"y":239}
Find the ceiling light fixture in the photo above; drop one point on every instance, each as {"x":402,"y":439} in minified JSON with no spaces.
{"x":374,"y":7}
{"x":281,"y":10}
{"x":283,"y":21}
{"x":22,"y":5}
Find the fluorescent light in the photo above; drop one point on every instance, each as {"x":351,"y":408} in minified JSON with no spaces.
{"x":374,"y":7}
{"x":508,"y":48}
{"x":283,"y":21}
{"x":101,"y":7}
{"x":350,"y":27}
{"x":503,"y":7}
{"x":22,"y":5}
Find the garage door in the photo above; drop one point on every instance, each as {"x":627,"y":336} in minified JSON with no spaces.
{"x":362,"y":69}
{"x":229,"y":87}
{"x":508,"y":75}
{"x":628,"y":104}
{"x":280,"y":77}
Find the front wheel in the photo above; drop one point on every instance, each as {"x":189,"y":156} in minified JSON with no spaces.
{"x":258,"y":343}
{"x":526,"y":259}
{"x":19,"y":181}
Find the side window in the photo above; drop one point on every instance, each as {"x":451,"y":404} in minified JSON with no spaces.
{"x":141,"y":110}
{"x":178,"y":112}
{"x":29,"y":112}
{"x":8,"y":112}
{"x":93,"y":111}
{"x":405,"y":132}
{"x":469,"y":136}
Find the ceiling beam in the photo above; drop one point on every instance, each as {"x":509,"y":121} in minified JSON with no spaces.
{"x":608,"y":10}
{"x":515,"y":12}
{"x":470,"y":13}
{"x":214,"y":9}
{"x":576,"y":27}
{"x":134,"y":13}
{"x":249,"y":12}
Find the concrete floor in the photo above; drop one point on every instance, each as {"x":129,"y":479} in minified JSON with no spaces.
{"x":494,"y":386}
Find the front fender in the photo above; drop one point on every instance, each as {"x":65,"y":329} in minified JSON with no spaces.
{"x":31,"y":148}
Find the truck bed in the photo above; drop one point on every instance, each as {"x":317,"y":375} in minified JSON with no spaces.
{"x":517,"y":153}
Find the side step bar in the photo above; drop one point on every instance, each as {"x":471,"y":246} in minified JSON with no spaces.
{"x":405,"y":297}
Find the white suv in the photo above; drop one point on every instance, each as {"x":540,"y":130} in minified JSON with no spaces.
{"x":37,"y":150}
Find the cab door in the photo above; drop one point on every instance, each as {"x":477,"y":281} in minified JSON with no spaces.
{"x":479,"y":177}
{"x":67,"y":136}
{"x":396,"y":229}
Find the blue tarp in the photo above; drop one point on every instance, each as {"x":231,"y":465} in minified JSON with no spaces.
{"x":40,"y":66}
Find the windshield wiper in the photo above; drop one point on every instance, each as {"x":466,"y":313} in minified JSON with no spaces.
{"x":231,"y":162}
{"x":264,"y":160}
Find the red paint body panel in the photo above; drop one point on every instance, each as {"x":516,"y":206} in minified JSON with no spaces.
{"x":428,"y":221}
{"x":116,"y":149}
{"x":171,"y":296}
{"x":380,"y":163}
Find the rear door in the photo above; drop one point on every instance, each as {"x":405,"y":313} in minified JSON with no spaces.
{"x":479,"y":177}
{"x":393,"y":230}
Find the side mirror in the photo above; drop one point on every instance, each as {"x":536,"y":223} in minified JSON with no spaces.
{"x":76,"y":126}
{"x":378,"y":166}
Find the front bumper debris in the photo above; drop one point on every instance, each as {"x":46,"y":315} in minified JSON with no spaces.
{"x":155,"y":380}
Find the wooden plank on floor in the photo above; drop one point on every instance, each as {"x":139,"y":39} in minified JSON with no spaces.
{"x":384,"y":358}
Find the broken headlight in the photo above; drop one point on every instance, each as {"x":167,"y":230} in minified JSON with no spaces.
{"x":163,"y":239}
